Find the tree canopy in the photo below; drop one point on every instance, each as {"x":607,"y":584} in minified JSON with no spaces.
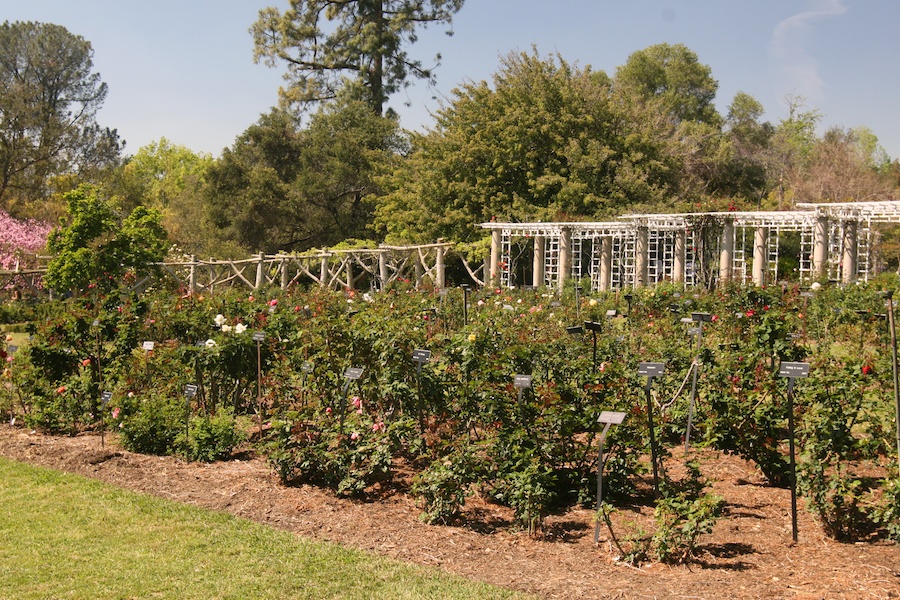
{"x":549,"y":141}
{"x":283,"y":187}
{"x":49,"y":98}
{"x":98,"y":245}
{"x":354,"y":48}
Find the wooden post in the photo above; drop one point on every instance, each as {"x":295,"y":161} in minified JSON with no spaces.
{"x":192,"y":278}
{"x":439,"y":268}
{"x":383,"y":274}
{"x":259,"y":270}
{"x":285,"y":280}
{"x":323,"y":269}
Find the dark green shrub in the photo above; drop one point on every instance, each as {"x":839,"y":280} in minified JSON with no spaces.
{"x":152,"y":425}
{"x":212,"y":437}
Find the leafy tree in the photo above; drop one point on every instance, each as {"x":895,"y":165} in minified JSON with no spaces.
{"x":48,"y":102}
{"x":549,"y":141}
{"x":282,"y":187}
{"x":99,"y":247}
{"x":673,"y":74}
{"x":350,"y":47}
{"x":839,"y":168}
{"x":170,"y":178}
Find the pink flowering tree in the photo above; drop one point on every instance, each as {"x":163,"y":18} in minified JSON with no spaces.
{"x":20,"y":240}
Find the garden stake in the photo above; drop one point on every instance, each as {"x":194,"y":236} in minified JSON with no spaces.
{"x":890,"y":311}
{"x":189,"y":391}
{"x":651,"y":370}
{"x":465,"y":289}
{"x":607,"y":418}
{"x":594,"y":327}
{"x":792,"y":370}
{"x":420,"y":357}
{"x":104,"y":400}
{"x":700,"y":319}
{"x":258,"y":337}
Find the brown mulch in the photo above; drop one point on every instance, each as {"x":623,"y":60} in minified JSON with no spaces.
{"x":749,"y":554}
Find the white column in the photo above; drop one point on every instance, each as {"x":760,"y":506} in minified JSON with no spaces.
{"x":820,"y":247}
{"x":680,"y":256}
{"x":537,"y":278}
{"x":565,"y":256}
{"x":760,"y":260}
{"x":641,"y":249}
{"x":726,"y":256}
{"x":848,"y":260}
{"x":494,"y":274}
{"x":605,"y":263}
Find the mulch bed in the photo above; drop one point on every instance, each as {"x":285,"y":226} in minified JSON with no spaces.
{"x":749,"y":554}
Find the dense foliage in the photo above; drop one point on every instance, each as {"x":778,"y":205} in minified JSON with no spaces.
{"x":49,"y":98}
{"x":97,"y":247}
{"x":458,"y":421}
{"x":355,"y":49}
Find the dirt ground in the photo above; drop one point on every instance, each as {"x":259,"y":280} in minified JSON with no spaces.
{"x":748,"y":555}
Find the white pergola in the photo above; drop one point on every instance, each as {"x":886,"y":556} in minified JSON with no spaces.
{"x":836,"y":242}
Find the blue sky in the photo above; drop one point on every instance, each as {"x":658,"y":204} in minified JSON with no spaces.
{"x":183,"y":70}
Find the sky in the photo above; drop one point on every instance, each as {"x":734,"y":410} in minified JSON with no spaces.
{"x":184,"y":70}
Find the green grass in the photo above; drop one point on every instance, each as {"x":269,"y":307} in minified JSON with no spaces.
{"x":65,"y":536}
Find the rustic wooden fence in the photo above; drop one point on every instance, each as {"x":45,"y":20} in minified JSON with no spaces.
{"x":374,"y":268}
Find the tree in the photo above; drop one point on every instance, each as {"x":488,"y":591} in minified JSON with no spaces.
{"x":169,"y":178}
{"x":550,"y":141}
{"x":98,"y":246}
{"x":674,"y":75}
{"x":20,"y":239}
{"x":282,"y":187}
{"x":362,"y":55}
{"x":48,"y":102}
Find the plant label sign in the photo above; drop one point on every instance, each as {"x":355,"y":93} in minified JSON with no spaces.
{"x":701,"y":317}
{"x":421,"y":356}
{"x":105,"y":397}
{"x":259,"y":336}
{"x":148,"y":346}
{"x":651,"y":369}
{"x":353,"y":373}
{"x":12,"y":349}
{"x":306,"y":367}
{"x":608,"y":417}
{"x":189,"y":390}
{"x":522,"y":381}
{"x":611,"y":313}
{"x":593,"y":326}
{"x":575,"y":330}
{"x":793,"y":369}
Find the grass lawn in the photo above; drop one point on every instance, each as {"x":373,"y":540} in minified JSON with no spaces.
{"x":65,"y":536}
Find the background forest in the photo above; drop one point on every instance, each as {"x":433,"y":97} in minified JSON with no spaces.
{"x":545,"y":139}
